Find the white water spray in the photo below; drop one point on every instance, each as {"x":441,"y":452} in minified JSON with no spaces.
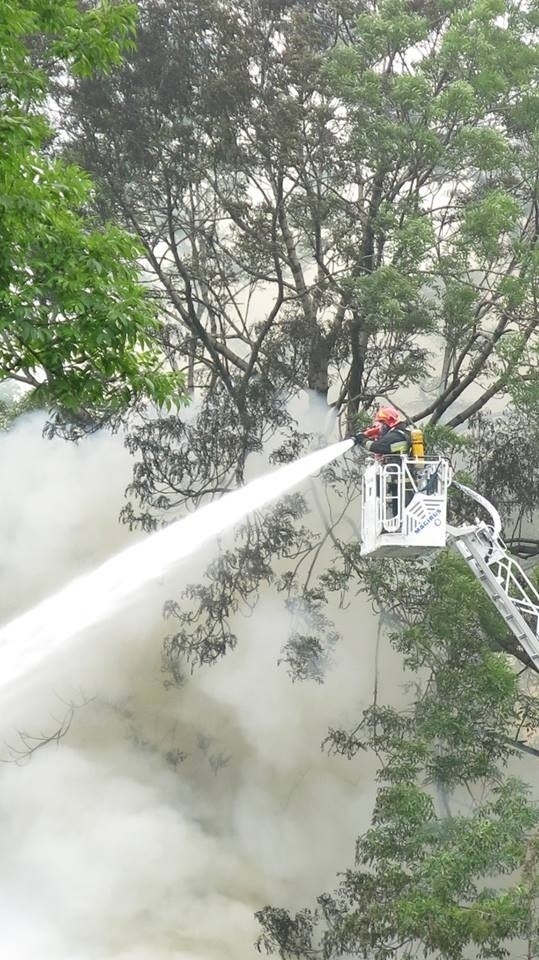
{"x":89,"y":599}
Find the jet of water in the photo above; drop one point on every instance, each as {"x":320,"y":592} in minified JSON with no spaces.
{"x":91,"y":598}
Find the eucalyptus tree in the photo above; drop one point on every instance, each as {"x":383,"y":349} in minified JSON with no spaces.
{"x":504,"y":461}
{"x":323,"y":191}
{"x":318,"y":186}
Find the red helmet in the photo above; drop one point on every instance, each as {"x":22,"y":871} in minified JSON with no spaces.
{"x":388,"y":415}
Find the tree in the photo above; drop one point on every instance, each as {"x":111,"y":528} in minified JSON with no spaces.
{"x":370,"y":173}
{"x":320,"y":188}
{"x":76,"y":324}
{"x":448,"y":823}
{"x":317,"y":188}
{"x":419,"y":884}
{"x":504,"y":460}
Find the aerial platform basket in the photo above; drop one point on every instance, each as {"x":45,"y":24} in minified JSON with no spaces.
{"x":404,"y":506}
{"x":404,"y":514}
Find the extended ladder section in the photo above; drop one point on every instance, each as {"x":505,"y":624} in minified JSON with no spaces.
{"x":500,"y":575}
{"x":404,"y":512}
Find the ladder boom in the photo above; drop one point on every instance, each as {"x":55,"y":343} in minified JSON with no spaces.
{"x":404,"y":514}
{"x":486,"y":504}
{"x":500,"y":575}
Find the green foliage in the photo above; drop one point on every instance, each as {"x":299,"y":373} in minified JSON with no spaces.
{"x":313,"y":637}
{"x":485,"y":147}
{"x":444,"y":441}
{"x":365,"y":169}
{"x":471,"y":696}
{"x":461,"y":113}
{"x":491,"y":219}
{"x":75,"y":322}
{"x":525,"y":390}
{"x":5,"y":414}
{"x":390,"y":297}
{"x":503,"y":457}
{"x":418,"y":884}
{"x":424,"y":886}
{"x":13,"y":407}
{"x":392,"y":28}
{"x":435,"y":872}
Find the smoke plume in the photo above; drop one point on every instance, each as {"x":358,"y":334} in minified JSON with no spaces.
{"x":164,"y":817}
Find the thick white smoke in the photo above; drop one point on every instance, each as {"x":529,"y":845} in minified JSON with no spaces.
{"x":112,"y":845}
{"x":88,"y":600}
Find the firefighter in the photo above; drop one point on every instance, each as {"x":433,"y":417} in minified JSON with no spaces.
{"x":388,"y":438}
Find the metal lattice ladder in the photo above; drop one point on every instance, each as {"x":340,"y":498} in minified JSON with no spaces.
{"x":500,"y":575}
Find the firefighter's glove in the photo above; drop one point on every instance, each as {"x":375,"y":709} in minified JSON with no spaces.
{"x":360,"y":440}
